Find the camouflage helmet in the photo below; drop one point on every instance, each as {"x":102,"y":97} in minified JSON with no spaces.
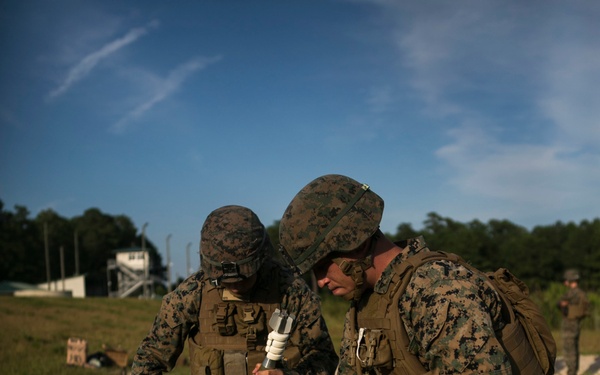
{"x":233,"y":244}
{"x":331,"y":213}
{"x":571,"y":275}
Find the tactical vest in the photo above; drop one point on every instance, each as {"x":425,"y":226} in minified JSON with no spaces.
{"x":232,"y":333}
{"x":381,"y":345}
{"x":578,"y":307}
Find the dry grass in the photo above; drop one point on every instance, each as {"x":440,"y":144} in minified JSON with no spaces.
{"x":589,"y":342}
{"x":34,"y":331}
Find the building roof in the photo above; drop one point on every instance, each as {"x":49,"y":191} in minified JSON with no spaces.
{"x":9,"y":287}
{"x":128,"y":250}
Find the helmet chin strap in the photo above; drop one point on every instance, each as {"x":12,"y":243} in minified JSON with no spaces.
{"x":356,"y":270}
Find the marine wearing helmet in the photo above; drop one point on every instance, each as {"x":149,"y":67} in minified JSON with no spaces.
{"x":571,"y":275}
{"x":225,"y":310}
{"x":233,"y":244}
{"x":333,"y":214}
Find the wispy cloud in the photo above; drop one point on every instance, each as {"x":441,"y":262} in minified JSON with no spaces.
{"x":570,"y":98}
{"x":494,"y":54}
{"x":164,"y":89}
{"x":89,"y":62}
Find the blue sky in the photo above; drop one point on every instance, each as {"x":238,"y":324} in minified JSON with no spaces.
{"x":164,"y":111}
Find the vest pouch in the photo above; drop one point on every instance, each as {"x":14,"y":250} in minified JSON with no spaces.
{"x":373,"y":350}
{"x":250,"y":322}
{"x":522,"y":357}
{"x":576,"y":311}
{"x":224,"y":318}
{"x":234,"y":362}
{"x":205,"y":361}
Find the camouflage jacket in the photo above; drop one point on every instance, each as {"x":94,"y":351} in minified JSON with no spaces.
{"x":450,"y":315}
{"x":164,"y":343}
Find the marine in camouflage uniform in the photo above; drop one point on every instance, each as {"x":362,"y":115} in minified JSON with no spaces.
{"x":573,"y":307}
{"x":235,"y":253}
{"x":448,"y":313}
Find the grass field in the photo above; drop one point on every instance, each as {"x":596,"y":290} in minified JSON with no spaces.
{"x":34,"y":331}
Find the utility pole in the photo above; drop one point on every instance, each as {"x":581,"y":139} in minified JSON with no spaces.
{"x":187,"y":256}
{"x":146,"y":261}
{"x":47,"y":254}
{"x":76,"y":241}
{"x":62,"y":266}
{"x":168,"y":264}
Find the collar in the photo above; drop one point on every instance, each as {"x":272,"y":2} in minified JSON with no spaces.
{"x":409,"y":248}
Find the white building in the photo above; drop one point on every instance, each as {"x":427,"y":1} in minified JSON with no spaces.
{"x":128,"y":274}
{"x":134,"y":258}
{"x":75,"y":285}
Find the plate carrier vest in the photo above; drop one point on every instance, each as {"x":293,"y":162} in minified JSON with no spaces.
{"x":382,"y":340}
{"x":232,"y":333}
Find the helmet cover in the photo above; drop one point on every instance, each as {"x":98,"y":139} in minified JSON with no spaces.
{"x":331,"y":213}
{"x":233,"y":244}
{"x":571,"y":275}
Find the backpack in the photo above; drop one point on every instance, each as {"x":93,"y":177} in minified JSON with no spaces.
{"x":526,"y":337}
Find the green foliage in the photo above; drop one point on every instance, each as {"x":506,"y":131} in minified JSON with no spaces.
{"x":538,"y":256}
{"x":91,"y":238}
{"x":547,"y":301}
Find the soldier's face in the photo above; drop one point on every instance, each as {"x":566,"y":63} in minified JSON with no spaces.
{"x":331,"y":276}
{"x":240,"y":287}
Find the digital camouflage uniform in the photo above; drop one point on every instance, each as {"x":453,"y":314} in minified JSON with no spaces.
{"x":178,"y":318}
{"x":165,"y":341}
{"x":573,"y":313}
{"x":450,"y":315}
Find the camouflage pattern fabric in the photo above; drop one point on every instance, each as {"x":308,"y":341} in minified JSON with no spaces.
{"x":450,"y":315}
{"x":571,"y":275}
{"x":179,"y":311}
{"x":571,"y":329}
{"x":233,"y":234}
{"x":331,"y":213}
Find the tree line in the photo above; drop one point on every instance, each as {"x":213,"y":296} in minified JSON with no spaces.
{"x":538,"y":256}
{"x":87,"y":242}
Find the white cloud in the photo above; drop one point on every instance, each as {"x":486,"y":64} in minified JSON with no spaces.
{"x":570,"y":97}
{"x":468,"y":63}
{"x":89,"y":62}
{"x":164,"y":89}
{"x":527,"y":180}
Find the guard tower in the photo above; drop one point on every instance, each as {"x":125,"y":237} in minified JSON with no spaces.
{"x":130,"y":272}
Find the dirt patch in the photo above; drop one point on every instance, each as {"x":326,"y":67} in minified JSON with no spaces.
{"x":588,"y":364}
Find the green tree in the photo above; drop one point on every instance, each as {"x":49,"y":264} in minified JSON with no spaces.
{"x":403,"y":231}
{"x":21,"y":247}
{"x":58,"y":231}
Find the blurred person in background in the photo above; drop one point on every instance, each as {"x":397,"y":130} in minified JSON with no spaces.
{"x":574,"y":306}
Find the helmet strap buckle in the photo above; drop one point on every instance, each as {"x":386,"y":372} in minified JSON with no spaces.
{"x":230,"y":270}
